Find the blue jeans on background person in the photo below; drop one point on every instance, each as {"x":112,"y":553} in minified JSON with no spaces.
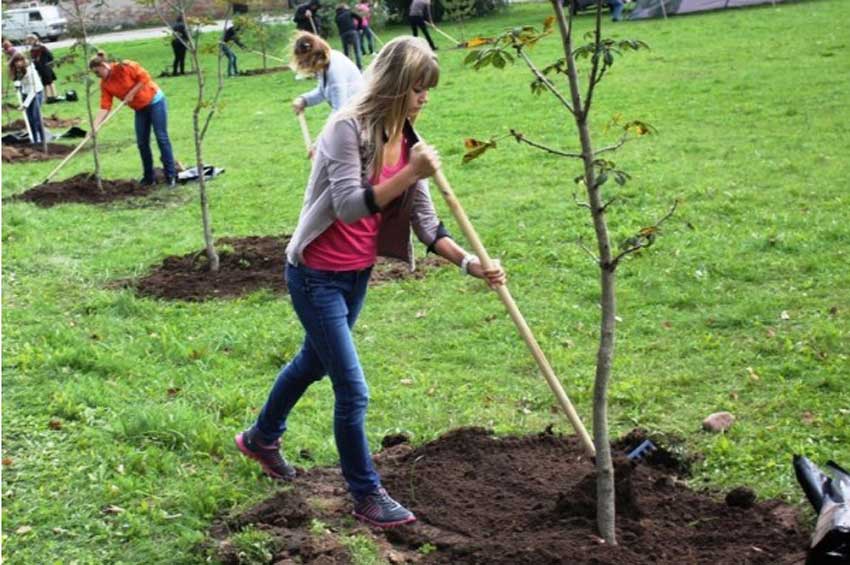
{"x":352,"y":39}
{"x":154,"y":116}
{"x":616,"y":7}
{"x":327,"y":304}
{"x":231,"y":60}
{"x":33,"y":112}
{"x":366,"y":37}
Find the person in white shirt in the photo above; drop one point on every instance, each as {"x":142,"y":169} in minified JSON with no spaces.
{"x":32,"y":90}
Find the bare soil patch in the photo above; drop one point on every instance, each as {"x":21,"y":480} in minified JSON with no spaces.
{"x":26,"y":153}
{"x":246,"y":265}
{"x":51,"y":121}
{"x":83,"y":189}
{"x":266,"y":71}
{"x":514,"y":501}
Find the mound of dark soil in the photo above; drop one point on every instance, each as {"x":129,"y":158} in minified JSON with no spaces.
{"x":51,"y":121}
{"x":519,"y":500}
{"x":168,"y":74}
{"x":82,"y":188}
{"x":267,"y":71}
{"x":245,"y":265}
{"x":29,"y":153}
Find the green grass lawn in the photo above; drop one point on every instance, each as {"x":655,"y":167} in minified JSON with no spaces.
{"x":742,"y":305}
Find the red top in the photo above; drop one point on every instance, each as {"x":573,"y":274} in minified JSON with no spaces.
{"x":122,"y":78}
{"x":354,"y":246}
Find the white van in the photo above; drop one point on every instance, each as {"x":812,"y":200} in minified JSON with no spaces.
{"x":43,"y":21}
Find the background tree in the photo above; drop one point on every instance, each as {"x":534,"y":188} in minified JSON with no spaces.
{"x":168,"y":10}
{"x":597,"y":172}
{"x":83,"y":13}
{"x":262,"y":29}
{"x":459,"y":11}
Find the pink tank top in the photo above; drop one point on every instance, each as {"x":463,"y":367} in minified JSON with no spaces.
{"x":354,"y":246}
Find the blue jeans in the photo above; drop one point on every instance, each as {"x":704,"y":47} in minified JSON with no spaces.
{"x":156,"y":116}
{"x":327,"y":303}
{"x":231,"y":60}
{"x":352,"y":39}
{"x":366,"y":37}
{"x":34,"y":118}
{"x":616,"y":7}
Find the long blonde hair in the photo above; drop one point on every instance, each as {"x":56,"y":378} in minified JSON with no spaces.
{"x":381,"y":107}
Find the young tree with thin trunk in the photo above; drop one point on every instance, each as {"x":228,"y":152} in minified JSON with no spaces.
{"x":597,"y":171}
{"x":81,"y":13}
{"x":168,"y":10}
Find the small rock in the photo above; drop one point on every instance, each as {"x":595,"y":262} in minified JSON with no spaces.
{"x":741,"y":497}
{"x":718,"y":422}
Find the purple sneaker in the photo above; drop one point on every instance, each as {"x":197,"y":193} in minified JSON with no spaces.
{"x":268,"y":456}
{"x":379,"y":509}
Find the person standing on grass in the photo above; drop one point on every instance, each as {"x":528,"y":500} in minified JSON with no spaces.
{"x":366,"y":191}
{"x":26,"y":76}
{"x":348,"y":24}
{"x":306,"y":17}
{"x":42,"y":58}
{"x":179,"y":44}
{"x":130,"y":82}
{"x":339,"y":80}
{"x":365,"y":11}
{"x":231,"y":35}
{"x":420,"y":16}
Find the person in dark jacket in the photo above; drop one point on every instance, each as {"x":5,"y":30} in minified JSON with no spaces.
{"x":179,"y":44}
{"x":231,"y":35}
{"x":348,"y":23}
{"x":420,"y":15}
{"x":306,"y":17}
{"x":42,"y":58}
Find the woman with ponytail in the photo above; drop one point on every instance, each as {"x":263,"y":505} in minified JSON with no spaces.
{"x":367,"y":190}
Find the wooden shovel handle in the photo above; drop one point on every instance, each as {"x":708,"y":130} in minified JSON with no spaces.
{"x":516,"y":315}
{"x":305,"y":131}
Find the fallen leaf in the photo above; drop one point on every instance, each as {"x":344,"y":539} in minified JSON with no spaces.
{"x":666,"y":325}
{"x":112,"y":509}
{"x":173,"y":391}
{"x":406,"y":381}
{"x":808,"y":418}
{"x":733,"y":395}
{"x":771,"y":332}
{"x":421,"y":314}
{"x":23,"y":530}
{"x":784,"y":315}
{"x":431,"y":391}
{"x":55,"y":424}
{"x":7,"y":461}
{"x":753,"y":375}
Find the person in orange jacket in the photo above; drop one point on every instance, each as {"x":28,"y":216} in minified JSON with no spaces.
{"x":130,"y":82}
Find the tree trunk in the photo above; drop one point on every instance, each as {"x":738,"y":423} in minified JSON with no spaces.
{"x":605,"y":509}
{"x":81,"y":19}
{"x":212,"y":256}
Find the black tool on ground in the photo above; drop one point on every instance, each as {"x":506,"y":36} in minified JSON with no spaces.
{"x":829,"y":495}
{"x":70,"y":96}
{"x":642,"y":451}
{"x":191,"y":174}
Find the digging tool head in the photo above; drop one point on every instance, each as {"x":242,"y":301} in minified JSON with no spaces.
{"x":642,"y":451}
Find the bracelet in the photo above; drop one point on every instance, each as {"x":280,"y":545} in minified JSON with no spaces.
{"x":464,"y":264}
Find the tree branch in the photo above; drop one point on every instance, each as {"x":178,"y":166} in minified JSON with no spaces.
{"x":542,"y":78}
{"x":580,"y":203}
{"x":605,"y":206}
{"x":520,"y":137}
{"x":587,"y":250}
{"x":646,"y":241}
{"x":594,"y":79}
{"x":623,"y":141}
{"x":218,"y":90}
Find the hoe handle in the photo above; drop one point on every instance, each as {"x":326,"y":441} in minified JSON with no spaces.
{"x":516,"y":315}
{"x":82,"y":144}
{"x":302,"y":121}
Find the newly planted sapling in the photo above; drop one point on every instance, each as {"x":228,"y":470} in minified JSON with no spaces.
{"x":600,"y":53}
{"x":200,"y":124}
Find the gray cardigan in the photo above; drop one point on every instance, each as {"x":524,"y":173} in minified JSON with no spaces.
{"x":339,"y":189}
{"x":337,"y":84}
